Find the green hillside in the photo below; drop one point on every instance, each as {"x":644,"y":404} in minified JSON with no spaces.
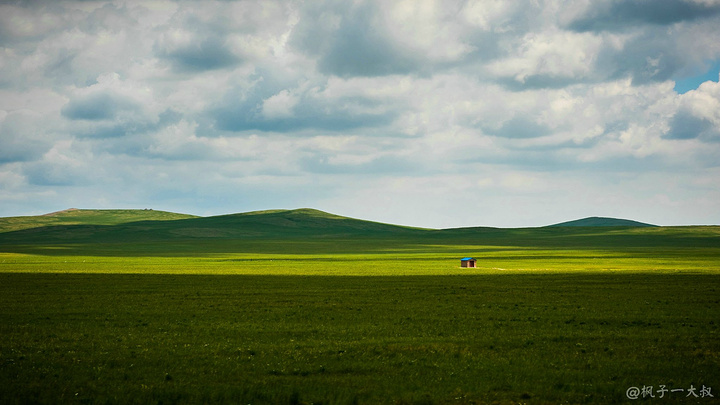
{"x":158,"y":233}
{"x":74,"y":216}
{"x":177,"y":232}
{"x":283,"y":224}
{"x":602,"y":221}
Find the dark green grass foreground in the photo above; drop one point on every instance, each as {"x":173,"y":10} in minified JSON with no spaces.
{"x":511,"y":338}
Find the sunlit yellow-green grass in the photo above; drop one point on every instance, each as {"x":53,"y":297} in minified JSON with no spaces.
{"x":426,"y":260}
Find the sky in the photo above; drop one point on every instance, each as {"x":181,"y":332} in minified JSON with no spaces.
{"x":434,"y":114}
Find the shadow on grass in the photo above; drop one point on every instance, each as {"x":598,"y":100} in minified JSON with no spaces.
{"x":165,"y":239}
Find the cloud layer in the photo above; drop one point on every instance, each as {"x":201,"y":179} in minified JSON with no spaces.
{"x":427,"y":113}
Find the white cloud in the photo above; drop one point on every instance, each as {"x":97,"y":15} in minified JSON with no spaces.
{"x":549,"y":56}
{"x":27,"y":23}
{"x":24,"y":136}
{"x":429,"y":28}
{"x":697,"y":117}
{"x":490,"y":15}
{"x":704,"y":102}
{"x":386,"y":111}
{"x":280,"y":105}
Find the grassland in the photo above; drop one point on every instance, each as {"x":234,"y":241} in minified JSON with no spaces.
{"x":305,"y":307}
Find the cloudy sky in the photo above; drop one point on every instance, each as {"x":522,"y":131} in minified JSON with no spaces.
{"x":426,"y":113}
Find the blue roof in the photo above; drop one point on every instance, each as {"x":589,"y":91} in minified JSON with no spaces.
{"x":467,"y":258}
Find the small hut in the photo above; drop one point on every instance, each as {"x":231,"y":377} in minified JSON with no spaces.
{"x":467,"y":262}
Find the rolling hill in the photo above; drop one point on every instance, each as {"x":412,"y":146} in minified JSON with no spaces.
{"x":150,"y":232}
{"x":74,"y":216}
{"x":602,"y":221}
{"x":113,"y":226}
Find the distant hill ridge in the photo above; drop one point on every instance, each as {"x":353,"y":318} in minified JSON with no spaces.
{"x":91,"y":226}
{"x":152,"y":232}
{"x":76,"y":216}
{"x":602,"y":221}
{"x":305,"y":221}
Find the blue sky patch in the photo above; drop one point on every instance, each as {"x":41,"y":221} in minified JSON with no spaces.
{"x":685,"y":84}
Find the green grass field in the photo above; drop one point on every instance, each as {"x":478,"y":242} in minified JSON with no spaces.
{"x":290,"y":307}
